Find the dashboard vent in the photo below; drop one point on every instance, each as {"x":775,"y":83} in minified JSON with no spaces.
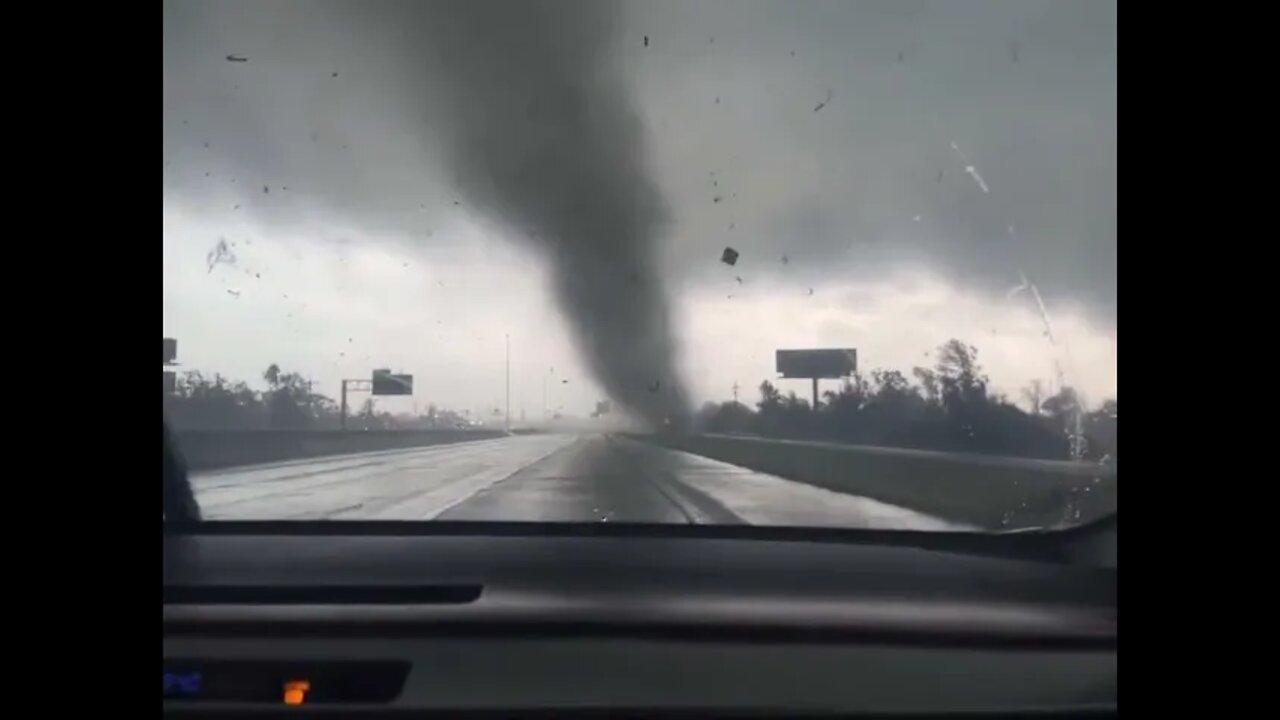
{"x":321,"y":594}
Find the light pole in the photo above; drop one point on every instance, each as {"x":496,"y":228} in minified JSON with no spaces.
{"x":507,"y":426}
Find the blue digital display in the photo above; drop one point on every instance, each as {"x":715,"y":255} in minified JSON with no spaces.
{"x":181,"y":684}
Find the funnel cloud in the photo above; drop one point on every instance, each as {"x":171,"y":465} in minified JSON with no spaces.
{"x":539,"y":132}
{"x":520,"y":102}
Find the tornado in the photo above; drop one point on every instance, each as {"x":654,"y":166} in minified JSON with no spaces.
{"x":522,"y":107}
{"x":528,"y":103}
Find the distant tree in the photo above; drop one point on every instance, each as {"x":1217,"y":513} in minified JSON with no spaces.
{"x":728,"y":418}
{"x":960,"y":378}
{"x":770,"y":398}
{"x":948,"y":407}
{"x":1034,"y":395}
{"x":929,"y":384}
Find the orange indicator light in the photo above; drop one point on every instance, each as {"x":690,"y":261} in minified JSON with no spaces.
{"x":295,"y":691}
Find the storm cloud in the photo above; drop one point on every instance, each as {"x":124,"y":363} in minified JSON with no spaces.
{"x":631,"y":142}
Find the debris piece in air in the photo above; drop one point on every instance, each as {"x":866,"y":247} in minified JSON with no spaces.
{"x":729,"y":256}
{"x":206,"y":144}
{"x":810,"y":291}
{"x":237,"y":58}
{"x":901,"y":57}
{"x":220,"y":254}
{"x":655,"y":386}
{"x":916,"y":218}
{"x":785,"y":260}
{"x":236,"y":207}
{"x":455,"y":202}
{"x":793,"y":53}
{"x":233,"y":293}
{"x":939,"y":176}
{"x":265,"y":190}
{"x":717,"y":99}
{"x":258,"y":275}
{"x":646,"y":41}
{"x":716,"y":199}
{"x":334,"y":75}
{"x":1014,"y":49}
{"x":823,"y":104}
{"x":738,"y":278}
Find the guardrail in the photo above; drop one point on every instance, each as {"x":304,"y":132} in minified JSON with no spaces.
{"x":212,"y":449}
{"x":990,"y":492}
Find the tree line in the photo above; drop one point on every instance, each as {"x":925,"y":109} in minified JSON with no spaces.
{"x":948,"y":407}
{"x":213,"y":402}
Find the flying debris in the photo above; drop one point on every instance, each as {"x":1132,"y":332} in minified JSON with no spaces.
{"x":823,"y":104}
{"x":237,"y":58}
{"x":729,"y":256}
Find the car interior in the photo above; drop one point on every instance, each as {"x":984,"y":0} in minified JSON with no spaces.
{"x":267,"y":619}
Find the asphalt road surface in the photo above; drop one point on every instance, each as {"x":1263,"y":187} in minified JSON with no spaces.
{"x":542,"y":478}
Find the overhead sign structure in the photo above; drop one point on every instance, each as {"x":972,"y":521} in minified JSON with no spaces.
{"x":821,"y":363}
{"x":817,"y":364}
{"x":385,"y":383}
{"x":170,"y":358}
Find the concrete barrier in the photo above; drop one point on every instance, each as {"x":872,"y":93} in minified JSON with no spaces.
{"x":987,"y":491}
{"x":211,"y":449}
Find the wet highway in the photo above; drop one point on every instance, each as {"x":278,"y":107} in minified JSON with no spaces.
{"x":545,"y":478}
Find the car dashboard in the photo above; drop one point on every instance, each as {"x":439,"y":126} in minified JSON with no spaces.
{"x":416,"y":620}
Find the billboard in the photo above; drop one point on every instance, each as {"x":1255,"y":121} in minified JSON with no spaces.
{"x":819,"y":363}
{"x":170,"y":350}
{"x":385,"y":383}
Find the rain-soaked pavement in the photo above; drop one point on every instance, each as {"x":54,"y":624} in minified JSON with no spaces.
{"x":546,"y":478}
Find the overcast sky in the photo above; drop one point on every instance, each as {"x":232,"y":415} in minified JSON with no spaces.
{"x":888,"y":171}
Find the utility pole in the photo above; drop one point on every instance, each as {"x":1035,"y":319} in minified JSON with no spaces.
{"x":508,"y":422}
{"x":735,"y":392}
{"x":342,"y":413}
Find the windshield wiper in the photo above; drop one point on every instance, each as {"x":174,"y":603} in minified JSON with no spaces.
{"x":180,"y":506}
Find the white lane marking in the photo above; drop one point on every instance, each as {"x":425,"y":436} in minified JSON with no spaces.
{"x":287,"y":468}
{"x":761,"y":499}
{"x":394,"y":486}
{"x":427,"y":505}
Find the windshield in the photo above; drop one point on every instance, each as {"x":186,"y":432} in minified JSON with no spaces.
{"x":772,"y":262}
